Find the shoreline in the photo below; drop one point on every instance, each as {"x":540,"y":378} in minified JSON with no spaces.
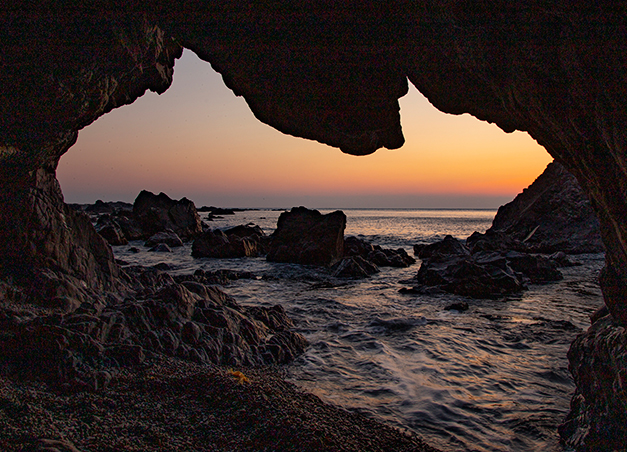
{"x":175,"y":405}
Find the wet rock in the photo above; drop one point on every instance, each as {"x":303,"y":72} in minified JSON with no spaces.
{"x":598,"y":410}
{"x":110,"y":230}
{"x":381,"y":257}
{"x":218,"y":244}
{"x":158,"y":213}
{"x":484,"y":269}
{"x":538,"y":269}
{"x":167,"y":237}
{"x":354,"y":267}
{"x":552,"y":214}
{"x":307,"y":237}
{"x":275,"y":317}
{"x":160,"y":248}
{"x":460,"y":306}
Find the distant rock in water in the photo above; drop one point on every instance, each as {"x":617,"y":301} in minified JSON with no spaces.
{"x":376,"y":255}
{"x":239,"y":241}
{"x":552,"y":214}
{"x":157,"y":213}
{"x":479,"y":272}
{"x":305,"y":236}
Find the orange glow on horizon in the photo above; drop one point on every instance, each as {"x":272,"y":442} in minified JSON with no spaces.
{"x":199,"y":140}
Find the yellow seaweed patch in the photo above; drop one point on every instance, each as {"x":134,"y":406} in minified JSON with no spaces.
{"x":241,"y":378}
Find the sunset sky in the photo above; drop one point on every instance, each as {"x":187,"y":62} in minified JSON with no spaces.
{"x":200,"y":141}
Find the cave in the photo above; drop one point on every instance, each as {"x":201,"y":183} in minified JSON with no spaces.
{"x":331,"y":72}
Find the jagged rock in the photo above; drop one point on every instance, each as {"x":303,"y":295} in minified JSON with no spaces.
{"x":110,"y":230}
{"x":193,"y":321}
{"x":552,"y":214}
{"x":489,"y":271}
{"x":158,"y":213}
{"x":101,"y":207}
{"x":354,"y":267}
{"x":167,"y":237}
{"x":524,"y":65}
{"x":598,"y":410}
{"x":446,"y":247}
{"x":218,"y":244}
{"x":307,"y":237}
{"x":160,"y":248}
{"x":375,"y":254}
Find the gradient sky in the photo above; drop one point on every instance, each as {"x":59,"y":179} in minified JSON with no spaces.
{"x":200,"y":141}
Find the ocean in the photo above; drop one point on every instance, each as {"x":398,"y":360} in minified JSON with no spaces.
{"x":492,"y":378}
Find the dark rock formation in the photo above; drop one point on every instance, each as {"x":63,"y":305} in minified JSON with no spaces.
{"x":167,"y":237}
{"x":190,"y":320}
{"x":552,"y":214}
{"x":381,"y":257}
{"x":158,"y":213}
{"x":354,"y":267}
{"x":327,"y":71}
{"x":307,"y":237}
{"x":110,"y":230}
{"x":482,"y":271}
{"x":239,"y":241}
{"x":598,"y":412}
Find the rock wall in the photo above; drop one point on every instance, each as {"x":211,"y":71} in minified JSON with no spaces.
{"x":552,"y":214}
{"x":325,"y":70}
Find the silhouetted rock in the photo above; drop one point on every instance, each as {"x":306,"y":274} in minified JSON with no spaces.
{"x":307,"y":237}
{"x":160,"y":248}
{"x":110,"y":230}
{"x":188,"y":320}
{"x":380,"y":257}
{"x":100,"y":207}
{"x":240,"y":241}
{"x":552,"y":214}
{"x":597,"y":417}
{"x":490,"y":271}
{"x":167,"y":237}
{"x":157,"y":213}
{"x":354,"y":267}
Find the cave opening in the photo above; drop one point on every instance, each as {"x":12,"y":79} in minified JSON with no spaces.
{"x":199,"y":141}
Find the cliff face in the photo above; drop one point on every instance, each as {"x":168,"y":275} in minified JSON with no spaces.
{"x":552,"y":214}
{"x":325,"y":70}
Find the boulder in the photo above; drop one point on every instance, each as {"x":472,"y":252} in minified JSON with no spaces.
{"x":168,"y":237}
{"x":354,"y":267}
{"x":110,"y":230}
{"x":598,"y":410}
{"x":380,"y":257}
{"x":552,"y":214}
{"x":305,"y":236}
{"x":218,"y":244}
{"x":158,"y":213}
{"x":489,"y":271}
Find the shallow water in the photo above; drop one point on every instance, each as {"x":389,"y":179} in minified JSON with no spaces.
{"x":493,"y":378}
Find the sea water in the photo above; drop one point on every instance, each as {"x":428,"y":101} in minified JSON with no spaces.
{"x":492,"y":378}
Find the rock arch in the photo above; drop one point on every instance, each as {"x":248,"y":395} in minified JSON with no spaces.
{"x":333,"y":72}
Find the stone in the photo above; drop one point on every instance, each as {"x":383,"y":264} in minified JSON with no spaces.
{"x":158,"y":213}
{"x":598,"y":411}
{"x":460,"y":306}
{"x":524,"y":65}
{"x":167,"y":237}
{"x":552,"y":214}
{"x":375,"y":254}
{"x":110,"y":230}
{"x":239,"y":241}
{"x":354,"y":267}
{"x":160,"y":248}
{"x":305,"y":236}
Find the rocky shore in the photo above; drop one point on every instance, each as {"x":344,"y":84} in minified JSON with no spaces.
{"x":174,"y":405}
{"x":152,"y":361}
